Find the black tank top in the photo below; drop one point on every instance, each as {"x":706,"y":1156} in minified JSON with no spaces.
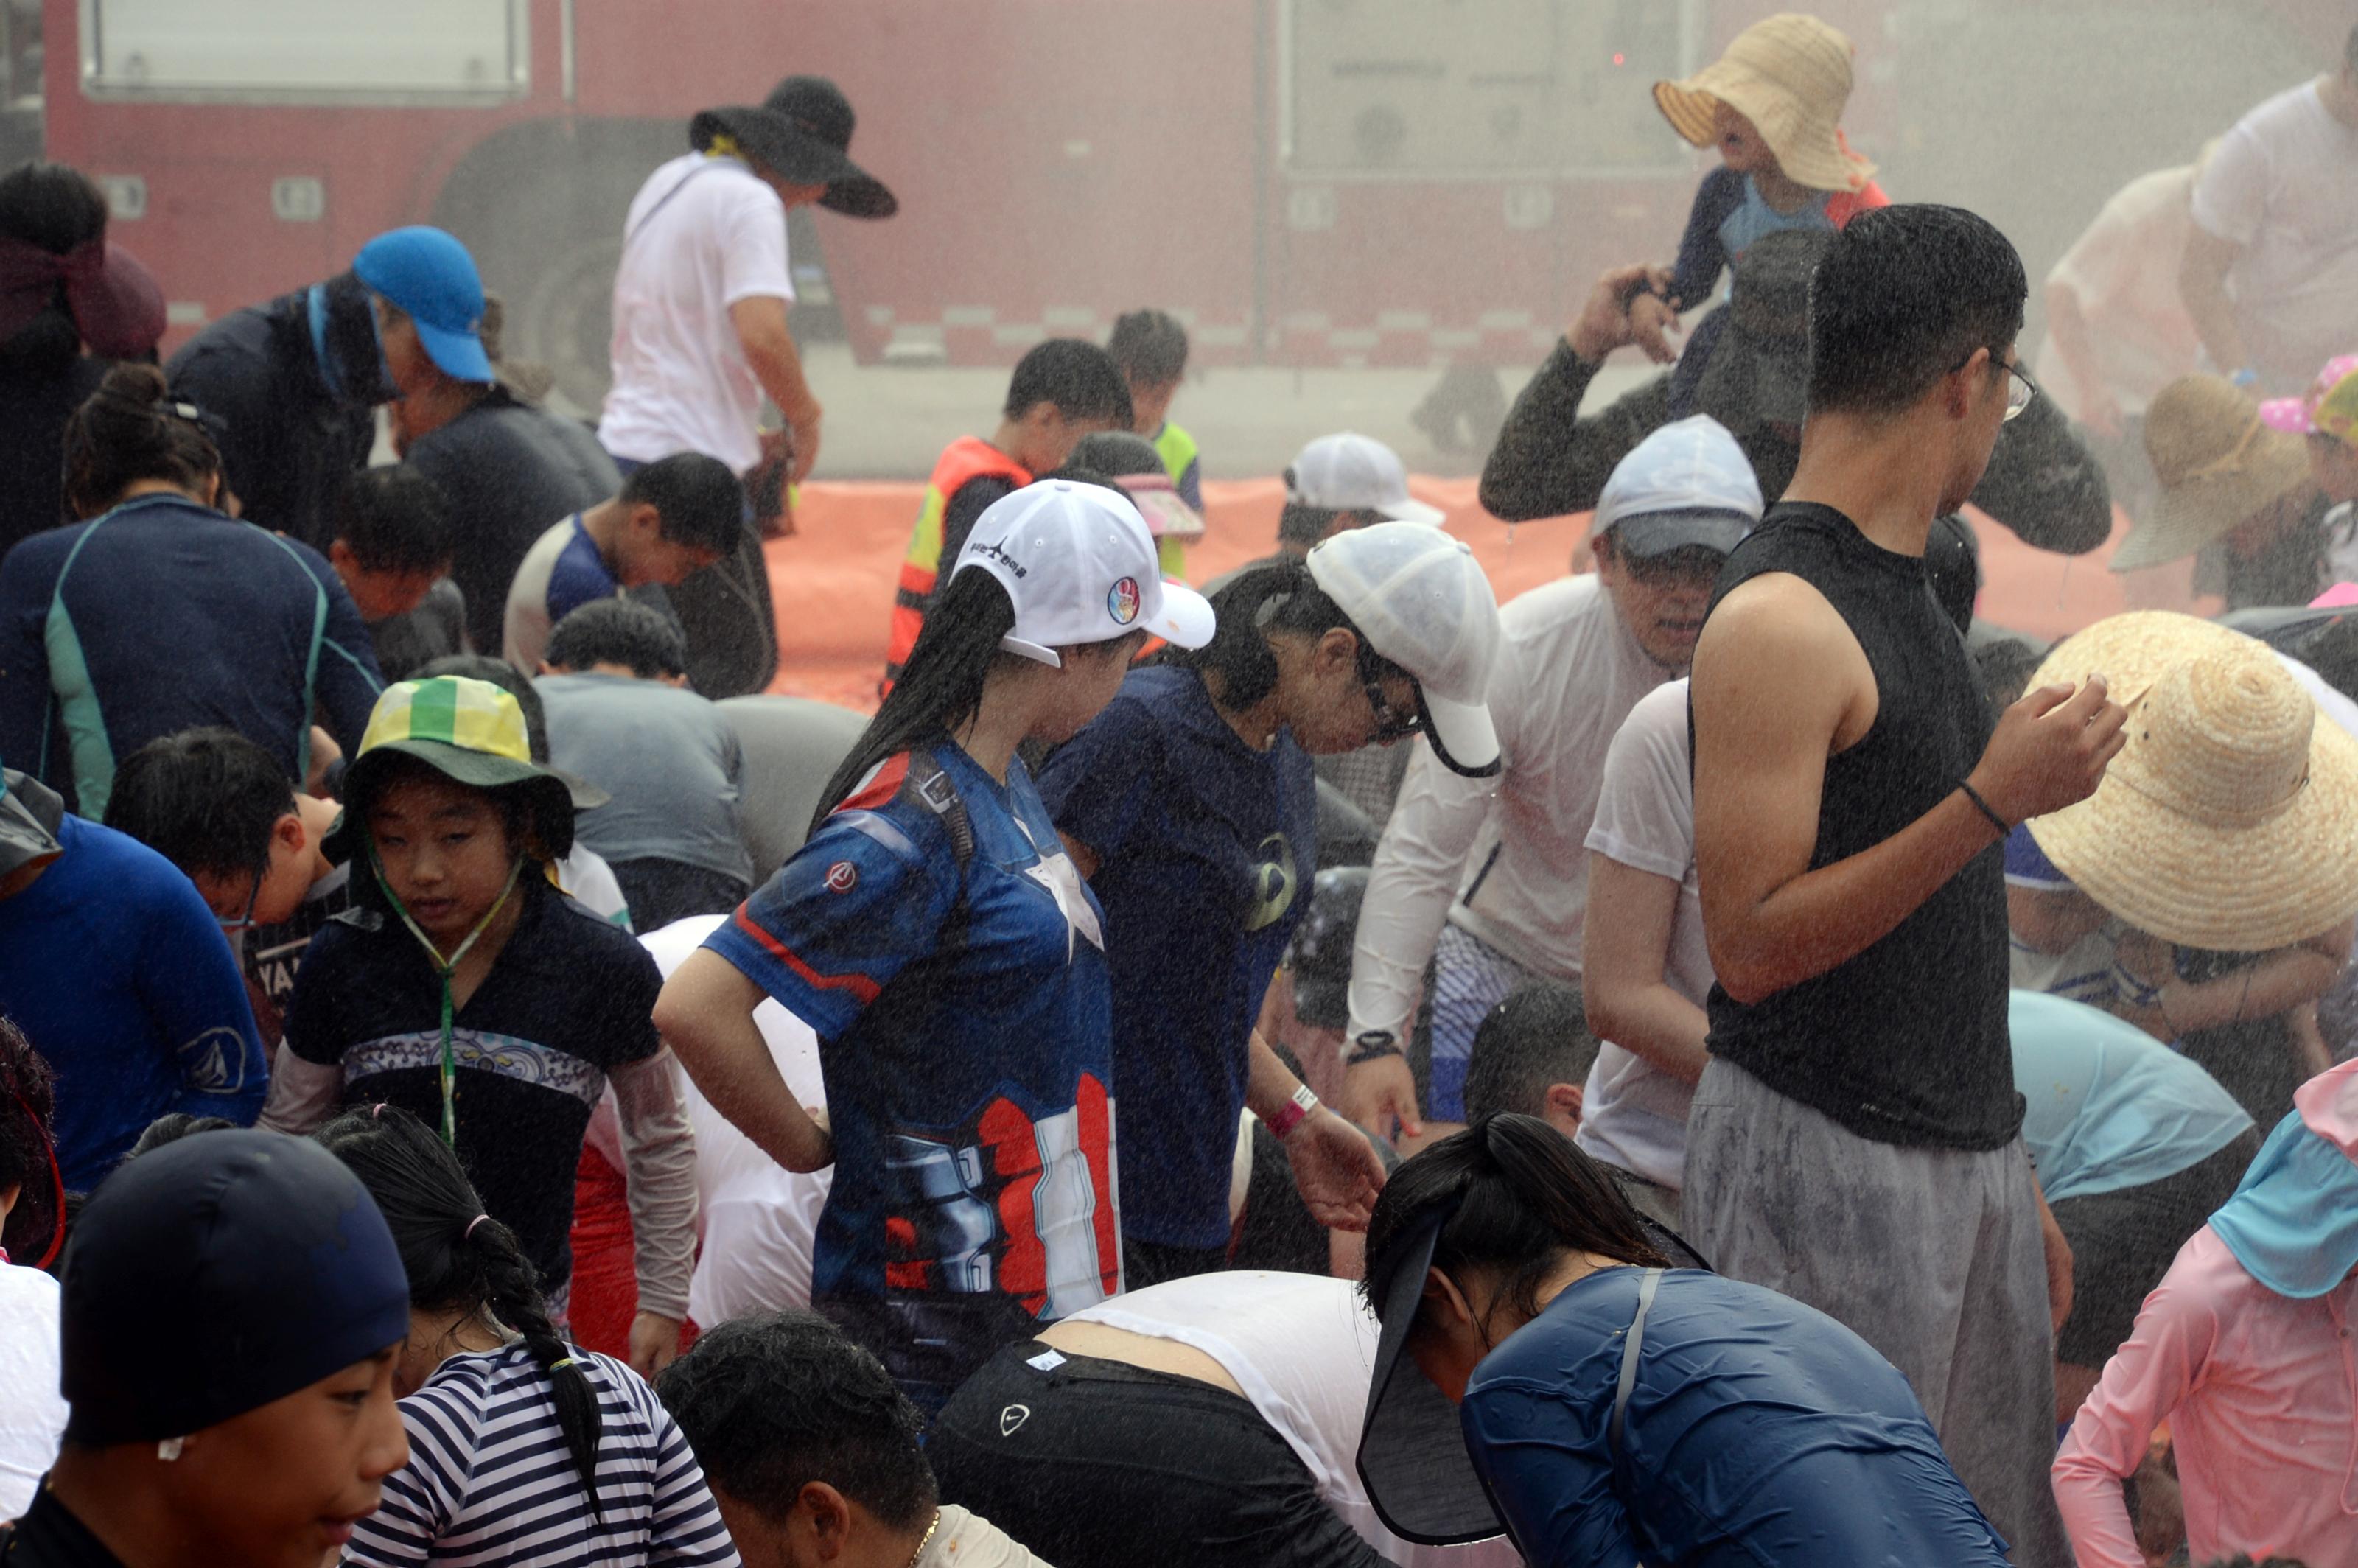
{"x":1906,"y":1042}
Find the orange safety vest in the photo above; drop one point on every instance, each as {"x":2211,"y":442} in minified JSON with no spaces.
{"x":968,"y":458}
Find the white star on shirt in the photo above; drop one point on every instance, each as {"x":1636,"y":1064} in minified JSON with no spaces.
{"x":1057,"y":873}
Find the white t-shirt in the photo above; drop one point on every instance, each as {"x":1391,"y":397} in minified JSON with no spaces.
{"x":32,"y":1411}
{"x":759,"y":1217}
{"x":1302,"y":1348}
{"x":1632,"y":1113}
{"x":2124,"y":273}
{"x":1568,"y":672}
{"x":2283,"y":184}
{"x":703,"y":233}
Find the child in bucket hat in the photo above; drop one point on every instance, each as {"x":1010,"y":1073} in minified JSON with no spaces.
{"x":467,"y":988}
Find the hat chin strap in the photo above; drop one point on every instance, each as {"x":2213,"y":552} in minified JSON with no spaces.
{"x":1048,"y":656}
{"x":443,"y":969}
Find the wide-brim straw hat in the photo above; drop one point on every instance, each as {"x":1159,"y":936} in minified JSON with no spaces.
{"x":1789,"y":75}
{"x":2218,"y":462}
{"x":2230,"y":819}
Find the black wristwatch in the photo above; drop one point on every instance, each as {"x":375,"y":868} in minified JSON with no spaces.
{"x":1371,"y":1046}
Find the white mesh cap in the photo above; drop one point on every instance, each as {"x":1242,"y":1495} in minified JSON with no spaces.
{"x":1422,"y":601}
{"x":1357,"y":473}
{"x":1081,"y":567}
{"x":1688,"y":485}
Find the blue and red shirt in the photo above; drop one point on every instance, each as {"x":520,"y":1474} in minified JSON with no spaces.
{"x":964,"y":1017}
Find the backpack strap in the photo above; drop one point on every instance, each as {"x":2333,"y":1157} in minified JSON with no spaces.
{"x":1630,"y":1348}
{"x":933,"y":786}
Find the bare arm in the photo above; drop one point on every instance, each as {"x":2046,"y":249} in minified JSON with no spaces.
{"x":1625,"y":940}
{"x":768,"y":347}
{"x":2203,"y":285}
{"x":2098,"y":408}
{"x":1780,"y":685}
{"x":706,"y":1014}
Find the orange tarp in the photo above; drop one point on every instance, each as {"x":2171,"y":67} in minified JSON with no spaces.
{"x":833,"y":580}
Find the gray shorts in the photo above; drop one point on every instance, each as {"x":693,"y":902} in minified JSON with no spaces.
{"x":1930,"y":1255}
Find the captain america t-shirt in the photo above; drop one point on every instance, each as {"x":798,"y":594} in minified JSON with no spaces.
{"x":1206,"y":848}
{"x":963,"y":1019}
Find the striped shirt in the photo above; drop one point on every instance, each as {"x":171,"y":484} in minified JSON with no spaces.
{"x":490,"y":1481}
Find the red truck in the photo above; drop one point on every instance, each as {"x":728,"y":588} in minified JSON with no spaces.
{"x":1306,"y":182}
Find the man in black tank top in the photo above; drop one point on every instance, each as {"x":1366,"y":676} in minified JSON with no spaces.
{"x":1855,"y":1139}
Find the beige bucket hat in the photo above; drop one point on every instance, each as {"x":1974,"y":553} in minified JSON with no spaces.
{"x":1789,"y":75}
{"x":2218,"y":462}
{"x":2230,"y":820}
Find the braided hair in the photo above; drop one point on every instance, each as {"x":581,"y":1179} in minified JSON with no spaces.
{"x":459,"y":1261}
{"x":131,"y":430}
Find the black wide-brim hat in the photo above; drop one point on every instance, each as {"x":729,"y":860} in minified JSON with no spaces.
{"x":801,"y":132}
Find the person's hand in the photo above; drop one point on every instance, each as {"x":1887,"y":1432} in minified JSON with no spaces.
{"x":804,"y":426}
{"x":655,"y":1343}
{"x":2059,"y":1267}
{"x":325,"y":754}
{"x":1611,"y":317}
{"x":1379,"y":1092}
{"x":2050,"y":749}
{"x":768,"y":487}
{"x":1335,"y":1169}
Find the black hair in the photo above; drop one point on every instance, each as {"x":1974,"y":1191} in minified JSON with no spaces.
{"x":772,"y":1404}
{"x":1078,"y":378}
{"x":1115,"y":454}
{"x":1903,"y":297}
{"x":207,"y":800}
{"x":131,"y":428}
{"x":513,"y":803}
{"x":1537,"y":1037}
{"x":394,"y":519}
{"x":173,"y":1126}
{"x":60,"y":210}
{"x":940,"y":685}
{"x":28,"y":1107}
{"x":1148,"y":347}
{"x":615,"y":630}
{"x":2006,"y":665}
{"x":509,"y":679}
{"x":1279,"y":598}
{"x":1522,"y":1196}
{"x":701,"y":503}
{"x":458,"y":1260}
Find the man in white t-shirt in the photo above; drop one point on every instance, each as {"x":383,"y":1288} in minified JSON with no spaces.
{"x":1486,"y":880}
{"x":701,"y":294}
{"x":2270,"y":273}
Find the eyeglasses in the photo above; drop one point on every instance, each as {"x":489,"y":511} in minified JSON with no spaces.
{"x":1390,"y":723}
{"x":2021,"y":391}
{"x":243,"y":922}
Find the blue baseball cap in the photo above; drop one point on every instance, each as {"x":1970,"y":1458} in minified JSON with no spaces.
{"x":431,"y":276}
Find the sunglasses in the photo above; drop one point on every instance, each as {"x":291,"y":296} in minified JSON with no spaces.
{"x":1392,"y":724}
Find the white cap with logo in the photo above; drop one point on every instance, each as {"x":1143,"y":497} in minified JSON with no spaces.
{"x":1357,"y":473}
{"x":1081,"y":568}
{"x":1422,"y":601}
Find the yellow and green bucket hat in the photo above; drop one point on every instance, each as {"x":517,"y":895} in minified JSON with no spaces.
{"x":470,"y":731}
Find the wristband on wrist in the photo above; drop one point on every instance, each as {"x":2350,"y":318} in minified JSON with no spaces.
{"x":1371,"y":1046}
{"x":1303,"y":1103}
{"x":2004,"y":827}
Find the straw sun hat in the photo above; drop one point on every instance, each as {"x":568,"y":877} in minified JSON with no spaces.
{"x":1789,"y":75}
{"x":2218,"y":462}
{"x":2230,"y":820}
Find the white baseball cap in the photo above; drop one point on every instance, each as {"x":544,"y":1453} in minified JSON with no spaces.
{"x":1687,"y":485}
{"x":1357,"y":473}
{"x":1420,"y":599}
{"x":1080,"y":566}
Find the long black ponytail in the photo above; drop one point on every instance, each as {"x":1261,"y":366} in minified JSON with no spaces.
{"x":1522,"y":1196}
{"x":459,"y":1261}
{"x":940,"y":685}
{"x":1279,"y":598}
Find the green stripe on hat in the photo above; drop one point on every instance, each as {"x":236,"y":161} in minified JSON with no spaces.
{"x":434,"y":712}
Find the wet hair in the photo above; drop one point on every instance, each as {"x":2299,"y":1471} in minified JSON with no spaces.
{"x":60,"y":210}
{"x":1522,"y":1196}
{"x":394,"y":519}
{"x":700,"y":503}
{"x":132,"y":430}
{"x":173,"y":1126}
{"x":459,"y":1261}
{"x":1148,"y":347}
{"x":616,"y":631}
{"x":1279,"y":598}
{"x":509,"y":679}
{"x":1077,"y":377}
{"x":207,"y":800}
{"x":28,"y":1107}
{"x":772,"y":1404}
{"x":940,"y":685}
{"x":1903,"y":297}
{"x":512,"y":804}
{"x":1537,"y":1037}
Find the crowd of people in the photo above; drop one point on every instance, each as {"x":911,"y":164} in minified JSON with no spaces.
{"x":1726,"y":1057}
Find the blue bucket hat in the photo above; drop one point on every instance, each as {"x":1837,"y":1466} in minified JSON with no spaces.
{"x":431,"y":276}
{"x":2293,"y":1222}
